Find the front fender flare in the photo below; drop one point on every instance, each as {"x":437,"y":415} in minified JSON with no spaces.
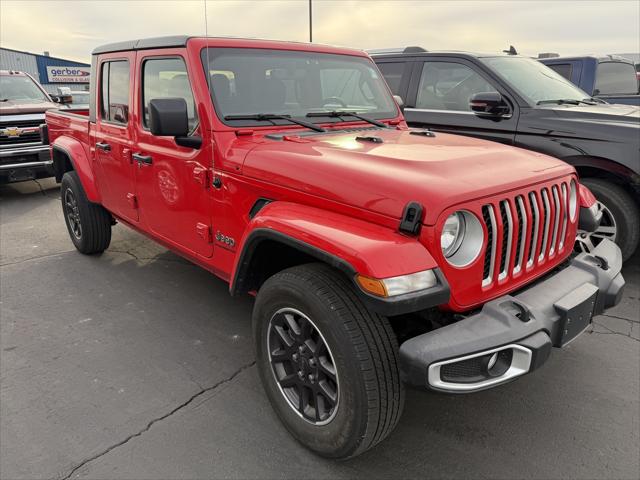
{"x":348,"y":244}
{"x":74,"y":150}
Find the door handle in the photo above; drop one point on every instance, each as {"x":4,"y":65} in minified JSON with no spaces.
{"x":105,"y":147}
{"x":146,"y":159}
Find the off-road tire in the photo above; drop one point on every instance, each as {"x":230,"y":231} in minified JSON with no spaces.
{"x":623,"y":208}
{"x":94,"y":220}
{"x":365,"y":351}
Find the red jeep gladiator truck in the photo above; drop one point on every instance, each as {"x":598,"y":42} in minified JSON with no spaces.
{"x":378,"y":255}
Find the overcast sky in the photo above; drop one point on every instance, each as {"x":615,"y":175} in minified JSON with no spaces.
{"x":71,"y":29}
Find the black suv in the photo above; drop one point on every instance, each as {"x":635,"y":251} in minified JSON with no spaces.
{"x":519,"y":101}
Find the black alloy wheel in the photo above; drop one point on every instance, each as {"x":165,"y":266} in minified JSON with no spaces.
{"x":303,"y":366}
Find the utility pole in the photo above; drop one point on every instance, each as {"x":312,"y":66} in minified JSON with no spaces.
{"x":310,"y":22}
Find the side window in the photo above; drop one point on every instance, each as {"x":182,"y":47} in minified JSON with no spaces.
{"x":392,"y":73}
{"x":114,"y":92}
{"x":563,"y":69}
{"x":167,"y":78}
{"x":616,"y":78}
{"x":449,"y":86}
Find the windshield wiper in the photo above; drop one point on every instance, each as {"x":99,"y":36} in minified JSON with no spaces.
{"x":275,"y":116}
{"x":568,"y":101}
{"x":339,"y":114}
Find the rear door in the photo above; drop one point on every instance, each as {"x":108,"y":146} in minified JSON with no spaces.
{"x":173,"y":182}
{"x":439,"y":95}
{"x":113,"y":139}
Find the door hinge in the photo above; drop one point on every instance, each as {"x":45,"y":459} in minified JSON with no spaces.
{"x":204,"y":231}
{"x":133,"y":200}
{"x":202,"y":176}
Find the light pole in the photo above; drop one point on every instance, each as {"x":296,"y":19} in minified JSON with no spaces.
{"x":310,"y":22}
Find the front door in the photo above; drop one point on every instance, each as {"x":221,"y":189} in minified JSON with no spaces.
{"x":441,"y":100}
{"x":113,"y":139}
{"x":173,"y":184}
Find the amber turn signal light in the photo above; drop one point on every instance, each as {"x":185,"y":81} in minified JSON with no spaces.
{"x":372,"y":286}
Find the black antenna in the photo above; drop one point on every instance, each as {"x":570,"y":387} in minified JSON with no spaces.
{"x":310,"y":22}
{"x":511,"y":51}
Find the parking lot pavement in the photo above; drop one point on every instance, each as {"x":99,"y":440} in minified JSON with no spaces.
{"x":137,"y":364}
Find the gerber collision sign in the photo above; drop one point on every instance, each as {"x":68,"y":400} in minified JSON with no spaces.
{"x":68,"y":74}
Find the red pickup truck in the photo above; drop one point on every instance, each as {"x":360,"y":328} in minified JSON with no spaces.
{"x":378,"y":255}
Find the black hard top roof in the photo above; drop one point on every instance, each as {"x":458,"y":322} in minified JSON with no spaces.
{"x":143,"y":44}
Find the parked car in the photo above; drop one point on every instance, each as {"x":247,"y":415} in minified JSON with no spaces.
{"x":23,"y":156}
{"x":519,"y":101}
{"x":609,"y":78}
{"x":287,"y":170}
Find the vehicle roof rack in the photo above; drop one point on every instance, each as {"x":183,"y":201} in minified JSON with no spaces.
{"x":548,"y":55}
{"x":414,"y":49}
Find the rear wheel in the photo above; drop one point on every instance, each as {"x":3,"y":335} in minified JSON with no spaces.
{"x":89,"y":224}
{"x":328,"y":365}
{"x":620,"y":218}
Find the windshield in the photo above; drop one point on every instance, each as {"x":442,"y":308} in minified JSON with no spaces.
{"x":533,"y":80}
{"x":80,"y":98}
{"x":20,"y":88}
{"x":616,"y":78}
{"x":252,"y":81}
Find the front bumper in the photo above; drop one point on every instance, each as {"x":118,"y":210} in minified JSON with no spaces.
{"x":25,"y":162}
{"x":513,"y":335}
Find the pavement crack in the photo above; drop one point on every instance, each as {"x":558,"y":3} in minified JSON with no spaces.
{"x":158,"y":419}
{"x":43,"y":191}
{"x":610,"y":331}
{"x":35,"y":258}
{"x":619,"y":318}
{"x":149,"y":259}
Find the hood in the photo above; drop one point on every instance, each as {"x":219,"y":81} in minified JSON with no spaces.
{"x":438,"y":172}
{"x":608,"y":113}
{"x":12,"y":107}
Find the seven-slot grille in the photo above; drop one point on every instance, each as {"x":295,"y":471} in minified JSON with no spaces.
{"x":523,"y":230}
{"x":27,"y":132}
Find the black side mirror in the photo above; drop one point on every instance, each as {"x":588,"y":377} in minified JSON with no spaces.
{"x":168,"y":117}
{"x":400,"y":102}
{"x":62,"y":99}
{"x":489,"y":104}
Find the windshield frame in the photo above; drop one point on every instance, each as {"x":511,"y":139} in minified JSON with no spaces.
{"x":45,"y":96}
{"x":486,"y":62}
{"x":208,"y":53}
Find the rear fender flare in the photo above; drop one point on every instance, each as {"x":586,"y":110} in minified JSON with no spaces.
{"x":75,"y":152}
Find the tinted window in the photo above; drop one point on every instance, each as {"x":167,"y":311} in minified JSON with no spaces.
{"x":563,"y":69}
{"x":616,"y":77}
{"x":114,"y":79}
{"x":449,"y":86}
{"x":167,"y":78}
{"x":248,"y":81}
{"x":392,"y":73}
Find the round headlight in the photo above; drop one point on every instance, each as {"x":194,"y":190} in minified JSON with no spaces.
{"x":573,"y":200}
{"x":452,"y":234}
{"x":461,"y":238}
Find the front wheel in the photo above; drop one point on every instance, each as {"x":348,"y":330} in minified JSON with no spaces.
{"x":620,"y":218}
{"x":328,"y":365}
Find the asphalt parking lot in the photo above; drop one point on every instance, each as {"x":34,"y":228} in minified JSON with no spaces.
{"x":137,"y":364}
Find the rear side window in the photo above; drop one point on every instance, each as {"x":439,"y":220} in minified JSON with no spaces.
{"x":392,"y":73}
{"x":616,"y":77}
{"x":167,"y":78}
{"x":449,"y":86}
{"x":563,"y":69}
{"x":114,"y":92}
